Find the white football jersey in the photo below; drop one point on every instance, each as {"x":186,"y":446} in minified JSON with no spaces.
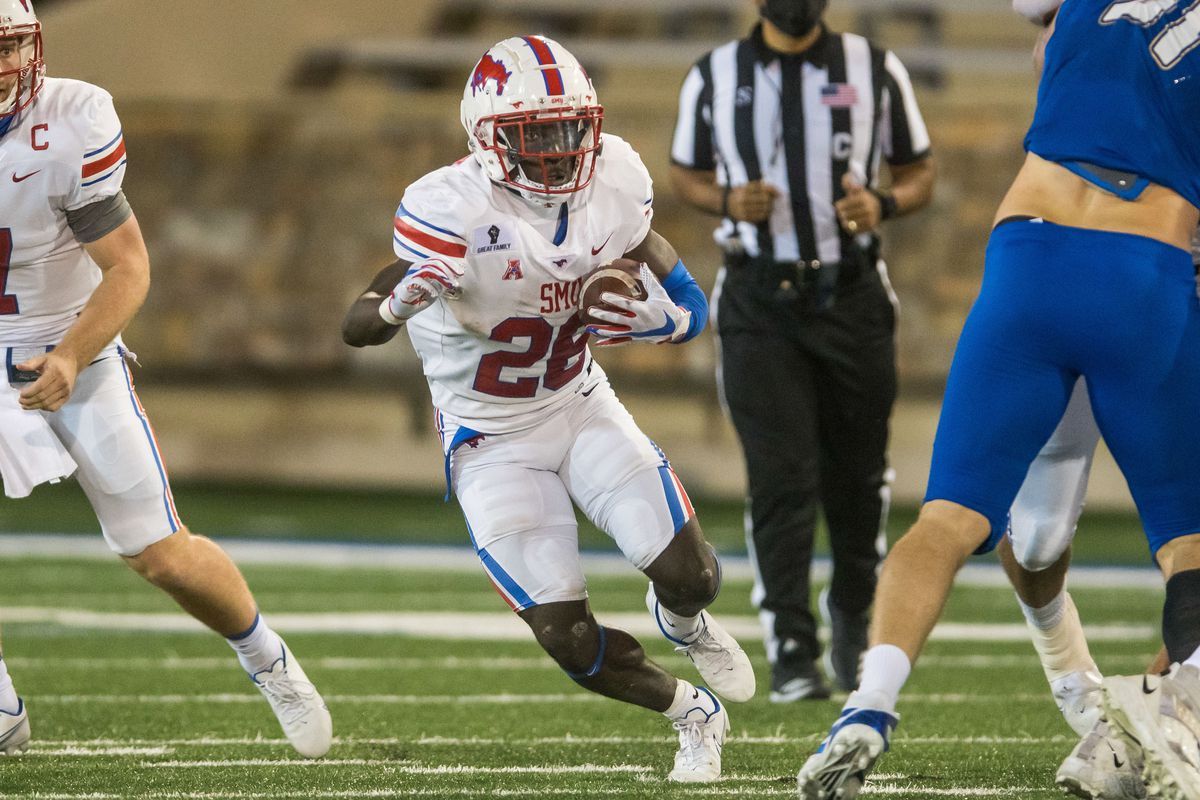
{"x":63,"y":152}
{"x":511,"y":347}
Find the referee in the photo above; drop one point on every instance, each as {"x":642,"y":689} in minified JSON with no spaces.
{"x":781,"y":134}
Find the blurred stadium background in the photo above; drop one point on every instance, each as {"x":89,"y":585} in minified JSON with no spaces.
{"x":270,"y":142}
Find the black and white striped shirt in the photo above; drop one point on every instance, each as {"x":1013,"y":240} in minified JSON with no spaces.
{"x":800,"y":123}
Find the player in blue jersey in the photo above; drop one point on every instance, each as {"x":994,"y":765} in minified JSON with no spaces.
{"x":1087,"y":275}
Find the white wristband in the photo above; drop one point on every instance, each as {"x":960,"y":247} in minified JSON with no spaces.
{"x":385,"y":312}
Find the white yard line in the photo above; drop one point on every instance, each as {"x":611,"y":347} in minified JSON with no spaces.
{"x":872,"y":789}
{"x":400,"y":664}
{"x":371,"y":794}
{"x":462,"y":559}
{"x":103,"y":751}
{"x":490,"y":626}
{"x":465,"y":699}
{"x":402,"y":768}
{"x":638,"y":792}
{"x":105,"y":747}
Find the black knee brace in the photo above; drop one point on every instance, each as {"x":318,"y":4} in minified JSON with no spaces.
{"x":1181,"y":615}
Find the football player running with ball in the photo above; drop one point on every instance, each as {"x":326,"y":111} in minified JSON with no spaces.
{"x":491,"y":252}
{"x":73,"y":272}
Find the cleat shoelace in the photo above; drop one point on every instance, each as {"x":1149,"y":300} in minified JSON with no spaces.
{"x":707,"y":644}
{"x":692,"y":754}
{"x":291,"y":695}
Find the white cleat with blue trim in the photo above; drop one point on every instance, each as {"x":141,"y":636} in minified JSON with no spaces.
{"x":719,"y":659}
{"x":838,"y":770}
{"x":14,"y":730}
{"x":701,"y":740}
{"x":298,"y":706}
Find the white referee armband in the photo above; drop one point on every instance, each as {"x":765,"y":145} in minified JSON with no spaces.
{"x":1036,"y":11}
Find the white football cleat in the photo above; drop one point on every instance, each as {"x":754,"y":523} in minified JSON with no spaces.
{"x":14,"y":731}
{"x":701,"y":740}
{"x":298,"y":706}
{"x":839,"y":768}
{"x":1078,"y":698}
{"x":718,"y":657}
{"x":1163,"y":717}
{"x":1103,"y":766}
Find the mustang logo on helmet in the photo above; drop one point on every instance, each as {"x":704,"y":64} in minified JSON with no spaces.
{"x":489,"y":69}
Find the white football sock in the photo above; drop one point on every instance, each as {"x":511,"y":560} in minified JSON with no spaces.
{"x":689,"y":699}
{"x":885,"y":670}
{"x":1058,"y":638}
{"x":674,"y":626}
{"x":8,"y":695}
{"x":258,"y":647}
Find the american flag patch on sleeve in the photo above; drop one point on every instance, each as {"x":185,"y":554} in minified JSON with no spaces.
{"x":839,"y":95}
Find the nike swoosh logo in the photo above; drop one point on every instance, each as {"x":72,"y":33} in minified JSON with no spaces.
{"x":596,"y":250}
{"x":585,"y":394}
{"x":1146,"y":689}
{"x":23,"y":177}
{"x":1117,"y":761}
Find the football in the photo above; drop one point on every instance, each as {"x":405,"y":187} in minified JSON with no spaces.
{"x":619,"y":276}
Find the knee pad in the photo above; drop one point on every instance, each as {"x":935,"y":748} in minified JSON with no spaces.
{"x":1037,"y":546}
{"x":1181,"y":615}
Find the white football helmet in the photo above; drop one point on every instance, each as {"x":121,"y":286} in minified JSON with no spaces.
{"x":22,"y":82}
{"x":532,"y":118}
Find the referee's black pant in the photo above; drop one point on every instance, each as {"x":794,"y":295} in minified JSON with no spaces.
{"x":810,"y":392}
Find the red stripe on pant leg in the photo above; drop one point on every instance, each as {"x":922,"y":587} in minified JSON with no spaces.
{"x":162,"y":465}
{"x":683,"y":497}
{"x":500,"y":592}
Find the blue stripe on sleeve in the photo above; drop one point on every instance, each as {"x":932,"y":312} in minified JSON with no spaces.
{"x":404,"y":212}
{"x":105,"y":147}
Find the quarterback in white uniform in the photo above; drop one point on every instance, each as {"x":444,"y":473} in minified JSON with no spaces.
{"x":492,"y":251}
{"x":73,"y":272}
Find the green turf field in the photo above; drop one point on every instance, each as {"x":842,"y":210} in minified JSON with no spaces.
{"x":121,"y":713}
{"x":281,"y":512}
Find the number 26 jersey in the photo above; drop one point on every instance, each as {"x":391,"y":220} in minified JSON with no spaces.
{"x":510,"y":348}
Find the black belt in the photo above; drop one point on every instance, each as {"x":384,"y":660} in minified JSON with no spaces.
{"x":816,"y":281}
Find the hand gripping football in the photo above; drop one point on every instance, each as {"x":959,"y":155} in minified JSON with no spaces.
{"x":619,"y":276}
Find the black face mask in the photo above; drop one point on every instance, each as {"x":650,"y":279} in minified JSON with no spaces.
{"x":794,"y":17}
